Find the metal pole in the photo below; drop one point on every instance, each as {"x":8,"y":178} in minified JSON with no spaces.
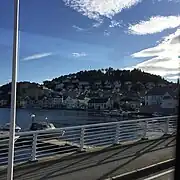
{"x":13,"y":91}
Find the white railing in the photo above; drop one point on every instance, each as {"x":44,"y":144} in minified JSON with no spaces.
{"x":32,"y":145}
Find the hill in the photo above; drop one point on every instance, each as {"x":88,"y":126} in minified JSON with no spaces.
{"x":109,"y":74}
{"x":23,"y":89}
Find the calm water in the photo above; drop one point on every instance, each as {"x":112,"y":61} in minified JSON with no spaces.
{"x":60,"y":118}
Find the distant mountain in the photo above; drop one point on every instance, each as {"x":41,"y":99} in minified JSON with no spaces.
{"x":109,"y":74}
{"x":23,"y":89}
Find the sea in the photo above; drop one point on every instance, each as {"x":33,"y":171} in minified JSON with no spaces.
{"x":60,"y":118}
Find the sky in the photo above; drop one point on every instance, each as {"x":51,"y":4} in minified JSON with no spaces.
{"x":59,"y":37}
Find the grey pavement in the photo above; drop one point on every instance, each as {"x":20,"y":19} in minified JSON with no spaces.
{"x":169,"y":176}
{"x":98,"y":165}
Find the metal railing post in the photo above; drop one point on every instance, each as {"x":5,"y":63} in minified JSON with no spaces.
{"x":116,"y":140}
{"x":145,"y":131}
{"x":34,"y":146}
{"x":13,"y":91}
{"x":166,"y":130}
{"x":82,"y":139}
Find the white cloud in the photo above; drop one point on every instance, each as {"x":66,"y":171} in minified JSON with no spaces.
{"x":77,"y":55}
{"x":154,"y":25}
{"x":78,"y":28}
{"x":115,"y":23}
{"x":106,"y":33}
{"x":176,"y":1}
{"x":164,"y":58}
{"x":95,"y":9}
{"x":37,"y":56}
{"x":173,"y":77}
{"x":98,"y":23}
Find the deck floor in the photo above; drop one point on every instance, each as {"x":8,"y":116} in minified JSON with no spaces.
{"x":97,"y":165}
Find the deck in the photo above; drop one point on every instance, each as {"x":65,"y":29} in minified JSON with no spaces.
{"x":98,"y":164}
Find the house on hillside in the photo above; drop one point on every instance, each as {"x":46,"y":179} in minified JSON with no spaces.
{"x":100,"y":103}
{"x":162,"y":85}
{"x":83,"y":102}
{"x":169,"y":100}
{"x":66,"y":81}
{"x":129,"y":102}
{"x":70,"y":102}
{"x":75,"y":81}
{"x":150,"y":85}
{"x":83,"y":84}
{"x":155,"y":95}
{"x":98,"y":83}
{"x":59,"y":86}
{"x":128,"y":84}
{"x":117,"y":84}
{"x":162,"y":100}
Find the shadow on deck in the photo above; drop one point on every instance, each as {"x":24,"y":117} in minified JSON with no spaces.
{"x":97,"y":165}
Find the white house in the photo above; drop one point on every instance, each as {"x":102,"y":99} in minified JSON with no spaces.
{"x":70,"y":102}
{"x":83,"y":102}
{"x":159,"y":95}
{"x":133,"y":103}
{"x":100,"y":103}
{"x":57,"y":101}
{"x":169,"y":101}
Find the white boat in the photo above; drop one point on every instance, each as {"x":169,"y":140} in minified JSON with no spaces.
{"x":4,"y":131}
{"x":40,"y":125}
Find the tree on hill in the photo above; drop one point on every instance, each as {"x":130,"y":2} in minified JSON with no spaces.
{"x":136,"y":75}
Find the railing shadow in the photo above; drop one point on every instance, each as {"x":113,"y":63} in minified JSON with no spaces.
{"x":54,"y":169}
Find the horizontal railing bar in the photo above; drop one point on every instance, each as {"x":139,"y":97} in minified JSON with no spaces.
{"x":23,"y":154}
{"x":48,"y":135}
{"x":66,"y":136}
{"x":95,"y":137}
{"x":91,"y":125}
{"x":21,"y":142}
{"x":24,"y":146}
{"x":48,"y":147}
{"x":53,"y":148}
{"x":99,"y":132}
{"x":22,"y":159}
{"x":46,"y":139}
{"x":99,"y":127}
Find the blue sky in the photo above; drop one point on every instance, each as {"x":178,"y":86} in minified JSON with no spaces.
{"x":64,"y":36}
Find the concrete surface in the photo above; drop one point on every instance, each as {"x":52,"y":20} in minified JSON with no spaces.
{"x":98,"y":165}
{"x":169,"y":176}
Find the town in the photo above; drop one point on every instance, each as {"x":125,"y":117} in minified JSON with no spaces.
{"x":70,"y":92}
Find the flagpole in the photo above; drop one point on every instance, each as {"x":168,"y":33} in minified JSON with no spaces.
{"x":13,"y":91}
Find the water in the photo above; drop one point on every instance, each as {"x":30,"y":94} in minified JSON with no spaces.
{"x":60,"y":118}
